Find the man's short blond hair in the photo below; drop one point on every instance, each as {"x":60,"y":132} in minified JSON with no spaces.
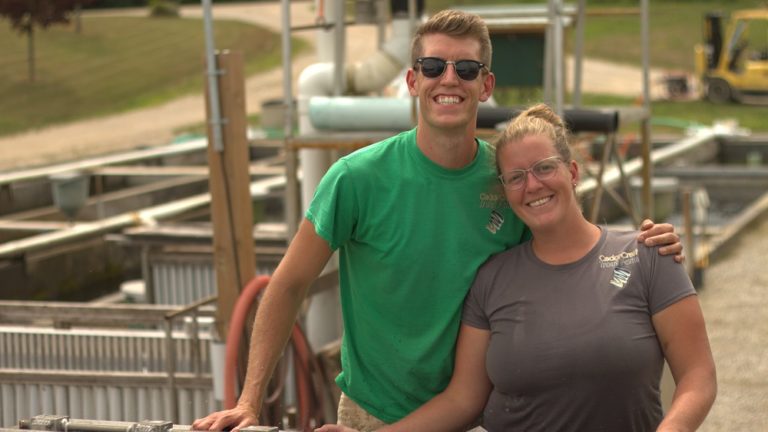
{"x":454,"y":23}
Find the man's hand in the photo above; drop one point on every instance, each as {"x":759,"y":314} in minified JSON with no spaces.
{"x":661,"y":234}
{"x":234,"y":419}
{"x":334,"y":428}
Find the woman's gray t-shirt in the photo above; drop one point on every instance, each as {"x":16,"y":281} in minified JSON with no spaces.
{"x":573,"y":347}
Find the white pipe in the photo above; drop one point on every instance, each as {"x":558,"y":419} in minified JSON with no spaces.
{"x":412,"y":12}
{"x":318,"y":80}
{"x":381,"y":21}
{"x":557,"y":60}
{"x":325,"y":36}
{"x":645,"y":37}
{"x":547,"y":72}
{"x":578,"y":55}
{"x":369,"y":113}
{"x":322,"y":79}
{"x":378,"y":70}
{"x":291,"y":198}
{"x":212,"y":72}
{"x":315,"y":80}
{"x":217,"y":354}
{"x":339,"y":44}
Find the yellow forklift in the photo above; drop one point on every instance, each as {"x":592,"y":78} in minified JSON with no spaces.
{"x":733,"y":65}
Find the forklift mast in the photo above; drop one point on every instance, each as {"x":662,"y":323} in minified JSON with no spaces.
{"x":713,"y":38}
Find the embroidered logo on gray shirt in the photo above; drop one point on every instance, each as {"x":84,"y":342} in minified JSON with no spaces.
{"x":620,"y":277}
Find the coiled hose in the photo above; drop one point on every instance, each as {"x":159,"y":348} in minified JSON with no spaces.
{"x":310,"y":404}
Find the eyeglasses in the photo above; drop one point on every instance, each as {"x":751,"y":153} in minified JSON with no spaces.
{"x":434,"y":67}
{"x":542,"y":170}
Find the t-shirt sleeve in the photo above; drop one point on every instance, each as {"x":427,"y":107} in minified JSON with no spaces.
{"x":333,"y":210}
{"x":668,"y":281}
{"x":474,"y":312}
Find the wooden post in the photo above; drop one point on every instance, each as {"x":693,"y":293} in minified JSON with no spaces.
{"x":610,"y":142}
{"x":647,"y":170}
{"x":688,"y":230}
{"x":229,"y":182}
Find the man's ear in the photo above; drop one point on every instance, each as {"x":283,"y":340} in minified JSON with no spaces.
{"x":489,"y":82}
{"x":410,"y":79}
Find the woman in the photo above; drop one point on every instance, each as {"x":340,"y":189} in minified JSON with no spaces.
{"x":569,"y":331}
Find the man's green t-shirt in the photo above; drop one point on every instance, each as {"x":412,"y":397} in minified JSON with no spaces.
{"x":411,"y":235}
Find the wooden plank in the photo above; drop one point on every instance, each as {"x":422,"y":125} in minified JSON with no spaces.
{"x":231,"y":211}
{"x":157,"y":171}
{"x":107,"y":378}
{"x":76,"y":313}
{"x":88,"y":164}
{"x":34,"y":226}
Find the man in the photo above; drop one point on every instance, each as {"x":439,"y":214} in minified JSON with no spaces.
{"x":413,"y":217}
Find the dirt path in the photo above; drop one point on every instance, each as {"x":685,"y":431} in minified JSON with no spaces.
{"x":155,"y":126}
{"x":734,"y":300}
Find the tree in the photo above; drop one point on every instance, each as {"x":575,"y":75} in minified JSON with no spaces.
{"x":25,"y":15}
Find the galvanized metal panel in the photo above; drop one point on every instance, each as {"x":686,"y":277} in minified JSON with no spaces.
{"x":181,"y":279}
{"x":7,"y":404}
{"x":18,"y":401}
{"x":98,"y":350}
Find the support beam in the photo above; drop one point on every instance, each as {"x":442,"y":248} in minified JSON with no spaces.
{"x":231,"y":209}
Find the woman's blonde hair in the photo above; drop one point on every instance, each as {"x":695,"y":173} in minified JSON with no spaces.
{"x":539,"y":119}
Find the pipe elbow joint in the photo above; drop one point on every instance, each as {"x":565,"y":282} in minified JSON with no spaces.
{"x":316,"y":80}
{"x":373,"y":74}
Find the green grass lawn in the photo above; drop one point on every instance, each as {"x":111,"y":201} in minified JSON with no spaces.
{"x":115,"y":64}
{"x":676,"y":27}
{"x":667,"y":116}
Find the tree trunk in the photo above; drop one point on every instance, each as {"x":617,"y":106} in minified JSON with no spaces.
{"x":78,"y":18}
{"x":31,"y":51}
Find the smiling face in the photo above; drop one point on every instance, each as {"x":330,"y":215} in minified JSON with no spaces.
{"x":449,"y":103}
{"x":541,"y":204}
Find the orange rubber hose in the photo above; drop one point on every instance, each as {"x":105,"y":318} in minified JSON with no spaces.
{"x":302,"y":350}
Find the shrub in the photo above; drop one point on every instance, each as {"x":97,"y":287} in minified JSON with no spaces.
{"x":163,"y":8}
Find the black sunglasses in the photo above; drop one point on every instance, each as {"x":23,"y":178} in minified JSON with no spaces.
{"x":433,"y":67}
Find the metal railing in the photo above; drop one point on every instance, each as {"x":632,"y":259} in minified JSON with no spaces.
{"x":105,"y":362}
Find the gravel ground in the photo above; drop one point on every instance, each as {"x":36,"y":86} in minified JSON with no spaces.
{"x":734,"y":300}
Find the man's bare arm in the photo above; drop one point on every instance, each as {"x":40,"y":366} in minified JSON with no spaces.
{"x":305,"y":258}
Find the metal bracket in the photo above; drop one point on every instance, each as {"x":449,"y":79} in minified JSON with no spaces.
{"x":259,"y":429}
{"x":153,"y":426}
{"x":45,"y":423}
